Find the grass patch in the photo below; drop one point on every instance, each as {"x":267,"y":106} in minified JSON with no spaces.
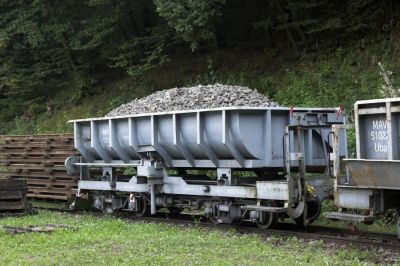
{"x":111,"y":241}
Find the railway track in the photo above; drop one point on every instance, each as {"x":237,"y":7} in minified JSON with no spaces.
{"x":329,"y":235}
{"x":326,"y":234}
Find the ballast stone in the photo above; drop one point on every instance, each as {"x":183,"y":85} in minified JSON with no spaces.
{"x":192,"y":98}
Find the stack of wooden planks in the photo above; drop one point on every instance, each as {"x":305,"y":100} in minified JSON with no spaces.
{"x":40,"y":160}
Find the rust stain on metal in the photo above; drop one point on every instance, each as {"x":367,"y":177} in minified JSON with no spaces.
{"x":374,"y":173}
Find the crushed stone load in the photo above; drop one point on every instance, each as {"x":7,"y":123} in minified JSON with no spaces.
{"x":192,"y":98}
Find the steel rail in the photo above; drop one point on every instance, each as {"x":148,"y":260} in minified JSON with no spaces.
{"x":326,"y":234}
{"x":329,"y":235}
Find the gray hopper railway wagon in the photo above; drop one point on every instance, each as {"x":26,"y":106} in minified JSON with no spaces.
{"x":261,"y":161}
{"x":373,"y":180}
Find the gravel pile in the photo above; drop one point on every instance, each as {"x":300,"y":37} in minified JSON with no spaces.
{"x":192,"y":98}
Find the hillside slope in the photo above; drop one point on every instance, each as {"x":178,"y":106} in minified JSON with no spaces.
{"x":332,"y":77}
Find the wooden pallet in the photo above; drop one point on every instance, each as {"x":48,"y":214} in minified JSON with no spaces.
{"x":13,"y":196}
{"x":40,"y":159}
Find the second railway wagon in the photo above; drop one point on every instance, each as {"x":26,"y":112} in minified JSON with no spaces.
{"x":250,"y":164}
{"x":372,"y":184}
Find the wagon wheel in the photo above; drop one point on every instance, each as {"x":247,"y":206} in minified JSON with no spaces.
{"x":143,"y":207}
{"x":270,"y":220}
{"x":221,"y":220}
{"x":213,"y":220}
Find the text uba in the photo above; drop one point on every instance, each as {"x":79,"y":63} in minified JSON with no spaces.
{"x":379,"y":135}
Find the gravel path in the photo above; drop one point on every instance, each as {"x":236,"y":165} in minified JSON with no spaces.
{"x":192,"y":98}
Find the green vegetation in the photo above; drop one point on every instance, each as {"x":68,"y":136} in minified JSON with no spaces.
{"x":111,"y":241}
{"x":74,"y":59}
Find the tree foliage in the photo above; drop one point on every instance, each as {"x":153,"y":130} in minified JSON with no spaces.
{"x":48,"y":46}
{"x":193,"y":20}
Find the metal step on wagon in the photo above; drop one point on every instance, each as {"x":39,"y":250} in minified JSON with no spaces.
{"x":372,"y":185}
{"x":249,"y":164}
